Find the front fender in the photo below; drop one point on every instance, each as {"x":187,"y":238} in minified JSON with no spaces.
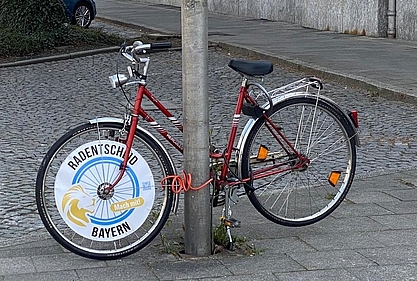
{"x":138,"y":128}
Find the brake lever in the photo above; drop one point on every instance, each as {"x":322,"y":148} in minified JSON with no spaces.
{"x":128,"y":54}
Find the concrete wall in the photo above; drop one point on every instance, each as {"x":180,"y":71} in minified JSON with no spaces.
{"x":361,"y":17}
{"x":407,"y":19}
{"x":354,"y":16}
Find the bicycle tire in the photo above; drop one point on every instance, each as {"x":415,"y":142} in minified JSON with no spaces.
{"x":305,"y":196}
{"x":96,"y":226}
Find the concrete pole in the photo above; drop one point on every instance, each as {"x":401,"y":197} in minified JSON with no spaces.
{"x":197,"y":209}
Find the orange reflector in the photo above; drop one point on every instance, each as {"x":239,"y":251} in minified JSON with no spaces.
{"x":262,"y":153}
{"x":334,"y":178}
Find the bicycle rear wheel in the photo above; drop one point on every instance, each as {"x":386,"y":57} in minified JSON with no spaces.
{"x":74,"y":207}
{"x":318,"y":131}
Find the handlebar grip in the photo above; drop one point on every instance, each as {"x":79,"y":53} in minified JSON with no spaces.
{"x":161,"y":45}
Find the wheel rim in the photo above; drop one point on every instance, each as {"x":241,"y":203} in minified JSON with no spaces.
{"x":82,"y":16}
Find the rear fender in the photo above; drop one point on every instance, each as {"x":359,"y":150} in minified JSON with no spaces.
{"x":280,"y":98}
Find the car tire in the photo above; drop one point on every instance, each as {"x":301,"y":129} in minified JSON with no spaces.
{"x":82,"y":15}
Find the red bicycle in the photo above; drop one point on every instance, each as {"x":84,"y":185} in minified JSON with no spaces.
{"x":103,"y":190}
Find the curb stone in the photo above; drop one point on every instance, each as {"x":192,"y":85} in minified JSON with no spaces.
{"x":60,"y":57}
{"x":383,"y":90}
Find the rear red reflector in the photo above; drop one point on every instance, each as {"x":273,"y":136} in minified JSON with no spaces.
{"x":354,"y":116}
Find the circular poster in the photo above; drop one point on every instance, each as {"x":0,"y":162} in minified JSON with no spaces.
{"x":82,"y":199}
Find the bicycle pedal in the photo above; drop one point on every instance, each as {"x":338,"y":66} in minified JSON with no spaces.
{"x":233,"y":179}
{"x":232,"y":222}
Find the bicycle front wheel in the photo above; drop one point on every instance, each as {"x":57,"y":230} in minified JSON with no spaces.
{"x":281,"y":189}
{"x":76,"y":210}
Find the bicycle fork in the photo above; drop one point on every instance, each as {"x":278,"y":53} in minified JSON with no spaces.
{"x":134,"y":119}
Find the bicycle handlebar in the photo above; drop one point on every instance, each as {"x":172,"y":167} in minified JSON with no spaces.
{"x":161,"y":45}
{"x":138,"y":46}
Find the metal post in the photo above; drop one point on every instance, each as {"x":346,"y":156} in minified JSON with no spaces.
{"x":392,"y":18}
{"x":197,"y":209}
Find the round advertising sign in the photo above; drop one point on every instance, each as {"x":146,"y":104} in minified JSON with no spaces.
{"x":86,"y":208}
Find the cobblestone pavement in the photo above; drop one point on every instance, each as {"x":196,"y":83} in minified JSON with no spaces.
{"x":41,"y":102}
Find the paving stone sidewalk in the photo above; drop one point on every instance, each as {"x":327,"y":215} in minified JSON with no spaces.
{"x":371,"y":237}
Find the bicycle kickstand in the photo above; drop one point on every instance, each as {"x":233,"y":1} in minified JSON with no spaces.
{"x":227,"y":219}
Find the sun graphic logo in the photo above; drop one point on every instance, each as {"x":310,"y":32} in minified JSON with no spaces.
{"x":76,"y":204}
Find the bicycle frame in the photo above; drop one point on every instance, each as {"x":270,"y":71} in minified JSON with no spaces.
{"x":139,"y":111}
{"x":243,"y":96}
